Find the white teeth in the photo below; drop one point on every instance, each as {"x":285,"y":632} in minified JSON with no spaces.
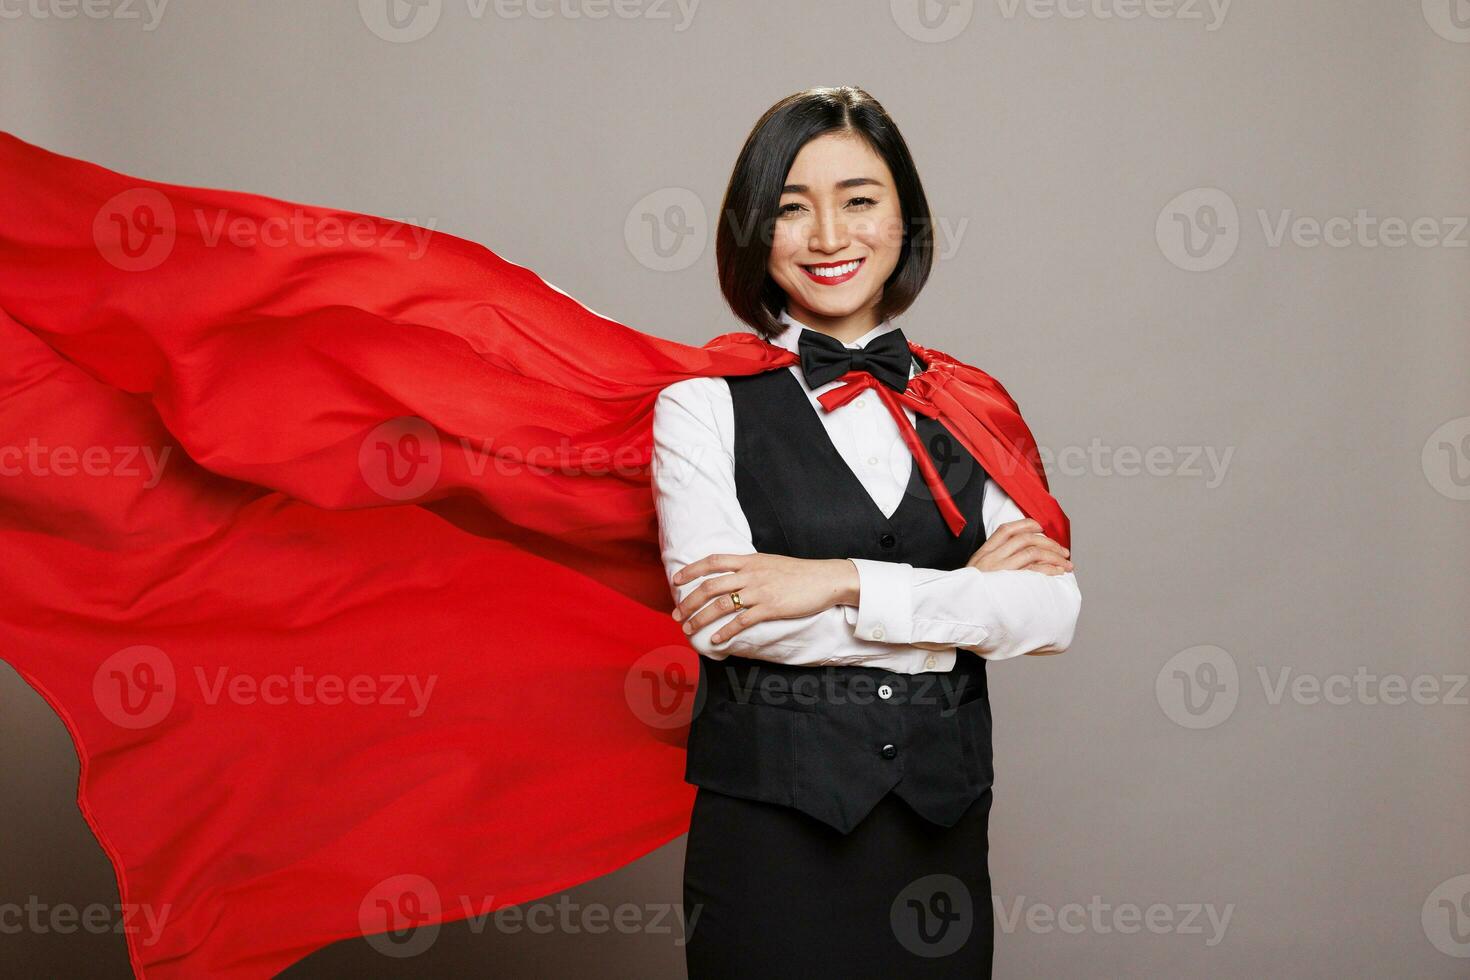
{"x":836,"y":270}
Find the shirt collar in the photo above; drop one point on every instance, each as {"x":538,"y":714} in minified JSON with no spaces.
{"x":789,"y":337}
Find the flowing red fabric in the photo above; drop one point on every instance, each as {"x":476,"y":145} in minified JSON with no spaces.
{"x":331,"y":541}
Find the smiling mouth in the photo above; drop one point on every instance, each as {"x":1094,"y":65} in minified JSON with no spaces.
{"x":832,"y":273}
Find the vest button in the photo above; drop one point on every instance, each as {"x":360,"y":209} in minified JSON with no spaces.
{"x":885,"y":692}
{"x":887,"y":540}
{"x":889,"y":751}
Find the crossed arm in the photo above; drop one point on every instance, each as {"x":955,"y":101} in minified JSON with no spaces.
{"x":840,"y":611}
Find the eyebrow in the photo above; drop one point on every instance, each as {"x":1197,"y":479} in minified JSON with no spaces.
{"x":849,"y":182}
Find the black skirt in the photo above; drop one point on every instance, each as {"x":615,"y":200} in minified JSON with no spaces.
{"x":770,"y":891}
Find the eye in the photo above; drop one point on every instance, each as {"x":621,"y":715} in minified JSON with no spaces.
{"x":859,"y":203}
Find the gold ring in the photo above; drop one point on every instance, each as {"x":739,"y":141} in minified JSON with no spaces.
{"x":735,"y":598}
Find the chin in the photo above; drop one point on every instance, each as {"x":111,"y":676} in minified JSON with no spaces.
{"x":824,"y":299}
{"x":836,"y":306}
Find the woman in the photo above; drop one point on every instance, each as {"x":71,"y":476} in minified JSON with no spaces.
{"x":261,"y":447}
{"x":841,"y":741}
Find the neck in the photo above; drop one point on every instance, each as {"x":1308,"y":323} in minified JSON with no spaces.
{"x":843,"y":329}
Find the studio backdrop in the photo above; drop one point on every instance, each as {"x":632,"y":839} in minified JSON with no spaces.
{"x":1216,"y":249}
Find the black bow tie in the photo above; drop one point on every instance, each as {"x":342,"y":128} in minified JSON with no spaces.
{"x":825,"y":359}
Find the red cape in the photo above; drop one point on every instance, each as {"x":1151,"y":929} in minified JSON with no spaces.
{"x":270,"y":471}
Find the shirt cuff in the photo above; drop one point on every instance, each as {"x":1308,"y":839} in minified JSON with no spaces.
{"x":885,"y":601}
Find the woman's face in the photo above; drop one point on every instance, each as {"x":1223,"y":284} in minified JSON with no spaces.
{"x":838,"y":207}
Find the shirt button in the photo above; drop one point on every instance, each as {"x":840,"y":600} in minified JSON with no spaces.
{"x":929,"y":663}
{"x":878,"y":633}
{"x":885,"y":692}
{"x":889,"y":751}
{"x":887,"y":540}
{"x":872,"y":460}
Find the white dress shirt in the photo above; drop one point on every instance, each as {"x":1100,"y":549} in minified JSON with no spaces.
{"x":907,"y":620}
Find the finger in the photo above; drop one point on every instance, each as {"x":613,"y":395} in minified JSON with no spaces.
{"x":1037,"y":554}
{"x":711,"y":588}
{"x":1024,"y":526}
{"x":1034,"y":553}
{"x":1042,"y":541}
{"x":740,"y":623}
{"x":707,"y":589}
{"x":1049,"y":547}
{"x":719,"y":608}
{"x":708,"y":564}
{"x":1008,"y":548}
{"x":1004,"y":534}
{"x":996,"y":548}
{"x":1030,"y":555}
{"x":1046,"y":568}
{"x":1026,"y":542}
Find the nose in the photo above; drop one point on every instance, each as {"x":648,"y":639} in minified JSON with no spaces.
{"x":829,"y":233}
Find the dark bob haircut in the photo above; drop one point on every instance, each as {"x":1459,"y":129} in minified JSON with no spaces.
{"x":752,"y":199}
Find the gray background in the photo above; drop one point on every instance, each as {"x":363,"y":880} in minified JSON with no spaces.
{"x":1056,"y":149}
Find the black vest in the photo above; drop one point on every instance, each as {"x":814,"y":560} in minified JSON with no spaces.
{"x":834,"y":740}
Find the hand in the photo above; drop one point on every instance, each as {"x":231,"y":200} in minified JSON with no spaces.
{"x":1021,"y":546}
{"x":770,"y":587}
